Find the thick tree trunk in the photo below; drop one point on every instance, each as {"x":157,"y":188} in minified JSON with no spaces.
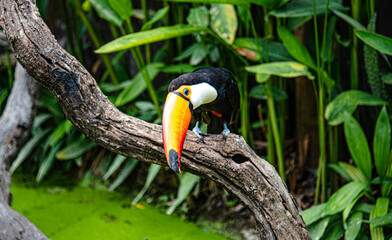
{"x":15,"y":125}
{"x":231,"y":163}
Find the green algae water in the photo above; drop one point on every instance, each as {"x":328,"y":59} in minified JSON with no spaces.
{"x":85,"y":213}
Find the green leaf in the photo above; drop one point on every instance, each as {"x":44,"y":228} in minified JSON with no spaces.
{"x":138,"y":84}
{"x":343,"y":197}
{"x":387,"y":78}
{"x":335,"y":230}
{"x":293,"y":23}
{"x":198,"y":17}
{"x":348,"y":209}
{"x":382,"y":142}
{"x":317,"y":230}
{"x":122,"y":7}
{"x":124,"y":173}
{"x":157,"y":16}
{"x":257,"y":92}
{"x":105,"y":11}
{"x":109,"y":87}
{"x":118,"y":160}
{"x":187,"y":52}
{"x":262,"y":78}
{"x":281,"y":69}
{"x":295,"y":48}
{"x":252,"y":49}
{"x":265,"y":3}
{"x":354,"y":23}
{"x":199,"y":54}
{"x":354,"y":224}
{"x":27,"y":149}
{"x":47,"y":163}
{"x":379,"y":42}
{"x":40,"y":119}
{"x":304,"y":8}
{"x":75,"y":149}
{"x":149,"y":36}
{"x":384,"y":180}
{"x":339,"y":170}
{"x":179,"y":68}
{"x":347,"y":102}
{"x":187,"y":183}
{"x":224,"y":21}
{"x":354,"y":173}
{"x":358,"y":145}
{"x":152,"y":173}
{"x":313,"y":214}
{"x":59,"y":132}
{"x":379,"y":210}
{"x":382,"y":221}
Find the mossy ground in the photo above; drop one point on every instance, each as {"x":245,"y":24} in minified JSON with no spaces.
{"x":75,"y":212}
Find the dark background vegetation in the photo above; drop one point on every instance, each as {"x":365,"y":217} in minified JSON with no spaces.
{"x":282,"y":117}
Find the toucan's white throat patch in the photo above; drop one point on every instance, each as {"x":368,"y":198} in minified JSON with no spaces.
{"x":202,"y":93}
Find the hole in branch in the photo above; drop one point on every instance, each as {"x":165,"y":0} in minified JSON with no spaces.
{"x":238,"y":158}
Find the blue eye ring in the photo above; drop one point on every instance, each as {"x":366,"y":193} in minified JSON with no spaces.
{"x":186,"y":91}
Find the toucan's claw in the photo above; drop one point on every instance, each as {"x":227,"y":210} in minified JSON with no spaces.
{"x":225,"y":131}
{"x":198,"y":132}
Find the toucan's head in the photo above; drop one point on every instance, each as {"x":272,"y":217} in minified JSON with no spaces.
{"x":186,"y":93}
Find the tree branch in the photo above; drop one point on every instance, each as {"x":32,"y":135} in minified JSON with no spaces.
{"x":231,"y":163}
{"x":15,"y":125}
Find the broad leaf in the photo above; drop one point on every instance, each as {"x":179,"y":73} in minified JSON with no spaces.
{"x":379,"y":210}
{"x":187,"y":183}
{"x":75,"y":149}
{"x":149,"y":36}
{"x":118,"y":160}
{"x":198,"y":17}
{"x":304,"y":8}
{"x":347,"y":102}
{"x":313,"y":214}
{"x":377,"y":41}
{"x":343,"y":197}
{"x":317,"y":230}
{"x":224,"y":21}
{"x":157,"y":16}
{"x":354,"y":224}
{"x":382,"y":221}
{"x":295,"y":48}
{"x":152,"y":173}
{"x":354,"y":23}
{"x":47,"y":163}
{"x":250,"y":48}
{"x":257,"y":92}
{"x":354,"y":173}
{"x":126,"y":170}
{"x":123,"y":8}
{"x":281,"y":69}
{"x":382,"y":142}
{"x":265,"y":3}
{"x":358,"y":145}
{"x":179,"y":68}
{"x":138,"y":84}
{"x":105,"y":11}
{"x":27,"y":149}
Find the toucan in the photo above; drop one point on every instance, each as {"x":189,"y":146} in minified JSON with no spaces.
{"x":208,"y":94}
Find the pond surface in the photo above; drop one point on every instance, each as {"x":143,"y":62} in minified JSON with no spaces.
{"x":85,"y":213}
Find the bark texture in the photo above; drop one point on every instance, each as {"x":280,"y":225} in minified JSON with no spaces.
{"x":231,"y":163}
{"x":15,"y":125}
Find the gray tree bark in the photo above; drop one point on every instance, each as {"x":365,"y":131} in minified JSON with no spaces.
{"x":231,"y":163}
{"x":15,"y":125}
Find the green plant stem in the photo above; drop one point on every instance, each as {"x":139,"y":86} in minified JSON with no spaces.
{"x":354,"y":66}
{"x":275,"y":129}
{"x":67,"y":27}
{"x":96,"y":41}
{"x":137,"y":55}
{"x":321,"y":178}
{"x":9,"y":67}
{"x":147,"y":46}
{"x":270,"y":142}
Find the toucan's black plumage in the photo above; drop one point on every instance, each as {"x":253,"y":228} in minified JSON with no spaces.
{"x":224,"y":109}
{"x":210,"y":94}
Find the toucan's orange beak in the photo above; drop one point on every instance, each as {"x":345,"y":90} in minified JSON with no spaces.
{"x":176,"y":118}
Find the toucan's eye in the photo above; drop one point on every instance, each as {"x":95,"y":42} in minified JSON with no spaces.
{"x":186,"y":91}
